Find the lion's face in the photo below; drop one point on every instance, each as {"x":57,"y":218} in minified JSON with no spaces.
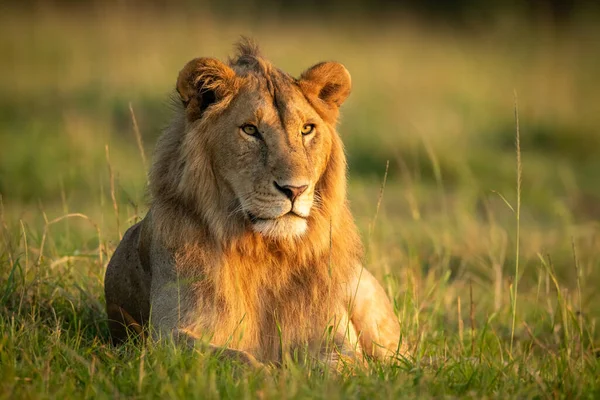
{"x":269,"y":139}
{"x":271,"y":155}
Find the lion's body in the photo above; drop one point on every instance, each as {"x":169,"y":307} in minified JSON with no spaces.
{"x":249,"y":243}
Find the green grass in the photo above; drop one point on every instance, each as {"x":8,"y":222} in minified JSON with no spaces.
{"x":434,"y":102}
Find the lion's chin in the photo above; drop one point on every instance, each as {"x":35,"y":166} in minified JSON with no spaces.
{"x":286,"y":227}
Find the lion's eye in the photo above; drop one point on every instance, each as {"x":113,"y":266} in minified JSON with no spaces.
{"x":307,"y":129}
{"x":249,"y":129}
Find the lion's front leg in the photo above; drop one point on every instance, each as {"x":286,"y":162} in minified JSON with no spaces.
{"x":191,"y":340}
{"x":172,"y":306}
{"x":373,"y":317}
{"x":340,"y":348}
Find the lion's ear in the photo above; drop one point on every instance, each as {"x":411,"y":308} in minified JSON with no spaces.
{"x":203,"y":82}
{"x":329,"y":81}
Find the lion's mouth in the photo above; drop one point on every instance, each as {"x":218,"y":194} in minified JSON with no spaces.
{"x":255,"y":219}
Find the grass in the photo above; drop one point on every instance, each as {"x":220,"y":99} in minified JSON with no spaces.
{"x":518,"y":219}
{"x":431,"y":114}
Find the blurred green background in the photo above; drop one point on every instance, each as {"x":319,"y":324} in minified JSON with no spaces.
{"x":433,"y":93}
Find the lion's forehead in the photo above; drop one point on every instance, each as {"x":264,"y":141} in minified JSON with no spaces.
{"x":277,"y":100}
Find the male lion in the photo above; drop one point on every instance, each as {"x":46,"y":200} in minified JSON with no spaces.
{"x":249,"y":246}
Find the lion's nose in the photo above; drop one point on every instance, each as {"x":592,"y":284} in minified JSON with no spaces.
{"x":291,"y":192}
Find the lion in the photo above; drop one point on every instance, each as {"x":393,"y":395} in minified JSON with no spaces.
{"x":249,"y":247}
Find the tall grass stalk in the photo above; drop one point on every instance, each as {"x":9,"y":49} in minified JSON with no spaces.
{"x":580,"y":311}
{"x":518,"y":218}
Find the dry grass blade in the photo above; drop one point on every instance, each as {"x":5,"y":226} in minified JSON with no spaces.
{"x":580,"y":311}
{"x":142,"y":373}
{"x":138,"y":138}
{"x":112,"y":191}
{"x":437,"y":171}
{"x":26,"y":246}
{"x":504,"y":200}
{"x":379,"y":198}
{"x":64,"y":217}
{"x":5,"y":234}
{"x":472,"y":317}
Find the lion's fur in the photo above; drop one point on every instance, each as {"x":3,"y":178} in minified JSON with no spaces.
{"x":238,"y":287}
